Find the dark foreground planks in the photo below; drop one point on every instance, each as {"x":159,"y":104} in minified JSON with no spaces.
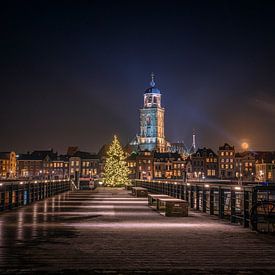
{"x":110,"y":231}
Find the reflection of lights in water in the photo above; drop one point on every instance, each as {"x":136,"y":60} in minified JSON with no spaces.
{"x":58,"y":201}
{"x":149,"y":225}
{"x":45,"y":210}
{"x":20,"y":227}
{"x":53,"y":204}
{"x":34,"y":220}
{"x":95,"y":206}
{"x":106,"y":202}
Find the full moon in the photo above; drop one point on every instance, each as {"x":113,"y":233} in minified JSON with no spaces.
{"x":245,"y":145}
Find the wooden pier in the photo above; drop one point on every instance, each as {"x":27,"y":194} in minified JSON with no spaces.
{"x":110,"y":231}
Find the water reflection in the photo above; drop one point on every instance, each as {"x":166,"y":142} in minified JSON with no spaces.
{"x":25,"y":231}
{"x":20,"y":227}
{"x":34,"y":220}
{"x":53,"y":204}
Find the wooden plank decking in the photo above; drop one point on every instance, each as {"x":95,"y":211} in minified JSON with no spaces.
{"x":111,"y":231}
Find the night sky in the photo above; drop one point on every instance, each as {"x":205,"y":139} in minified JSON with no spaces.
{"x":74,"y":73}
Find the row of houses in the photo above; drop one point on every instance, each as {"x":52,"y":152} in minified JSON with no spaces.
{"x":203,"y":164}
{"x":49,"y":165}
{"x":226,"y":164}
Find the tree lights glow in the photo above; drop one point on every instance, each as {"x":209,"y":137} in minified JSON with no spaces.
{"x":116,"y":170}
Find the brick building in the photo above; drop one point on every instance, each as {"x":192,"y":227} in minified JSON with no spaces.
{"x":204,"y":163}
{"x":226,"y":157}
{"x":7,"y":165}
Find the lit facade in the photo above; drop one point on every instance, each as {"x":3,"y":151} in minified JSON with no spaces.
{"x":42,"y":165}
{"x":7,"y":165}
{"x":265,"y":167}
{"x":245,"y":166}
{"x":83,"y":165}
{"x":168,"y":166}
{"x":226,"y":155}
{"x":151,"y":135}
{"x":204,"y":164}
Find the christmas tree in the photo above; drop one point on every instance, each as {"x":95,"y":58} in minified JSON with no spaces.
{"x":116,"y":170}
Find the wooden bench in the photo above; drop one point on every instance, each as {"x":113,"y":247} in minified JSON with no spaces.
{"x":172,"y":207}
{"x":152,"y":199}
{"x":139,"y":192}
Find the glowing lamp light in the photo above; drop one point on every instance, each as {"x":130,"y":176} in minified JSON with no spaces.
{"x":21,"y":182}
{"x":237,"y":188}
{"x":206,"y":185}
{"x":188,"y":183}
{"x":1,"y":184}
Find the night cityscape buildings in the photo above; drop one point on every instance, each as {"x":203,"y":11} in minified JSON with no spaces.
{"x":137,"y":137}
{"x":150,"y":156}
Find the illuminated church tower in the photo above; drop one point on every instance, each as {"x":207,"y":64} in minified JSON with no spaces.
{"x":152,"y":121}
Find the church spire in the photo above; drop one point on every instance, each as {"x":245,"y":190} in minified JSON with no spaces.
{"x":194,"y":139}
{"x":152,"y":83}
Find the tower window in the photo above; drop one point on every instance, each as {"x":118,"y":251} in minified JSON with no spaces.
{"x":148,"y":120}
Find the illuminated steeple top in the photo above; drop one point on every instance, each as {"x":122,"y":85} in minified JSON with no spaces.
{"x":152,"y":83}
{"x":153,"y":89}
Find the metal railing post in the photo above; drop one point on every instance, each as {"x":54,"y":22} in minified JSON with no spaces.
{"x":221,"y":203}
{"x":203,"y":199}
{"x":211,"y":201}
{"x":233,"y":206}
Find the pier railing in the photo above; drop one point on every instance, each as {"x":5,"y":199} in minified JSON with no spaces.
{"x":18,"y":193}
{"x":226,"y":201}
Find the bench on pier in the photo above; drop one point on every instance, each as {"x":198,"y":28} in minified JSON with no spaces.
{"x":172,"y":207}
{"x":139,"y":192}
{"x":153,"y":198}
